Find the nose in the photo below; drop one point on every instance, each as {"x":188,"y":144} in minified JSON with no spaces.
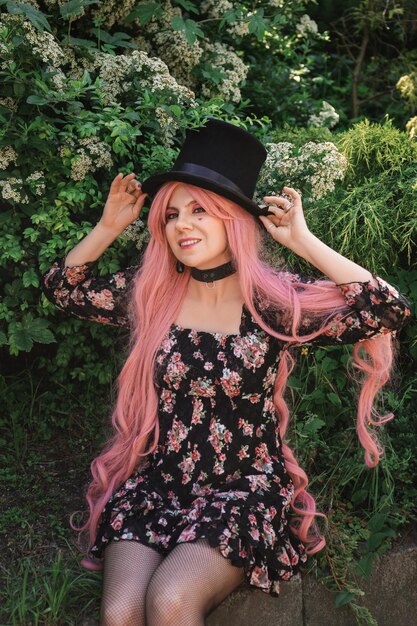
{"x":183,"y":222}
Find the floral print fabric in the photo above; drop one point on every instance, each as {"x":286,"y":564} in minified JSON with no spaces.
{"x":218,"y":470}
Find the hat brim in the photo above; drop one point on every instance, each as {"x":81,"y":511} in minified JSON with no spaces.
{"x":152,"y":184}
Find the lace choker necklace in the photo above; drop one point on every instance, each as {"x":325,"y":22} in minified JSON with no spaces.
{"x":214,"y":273}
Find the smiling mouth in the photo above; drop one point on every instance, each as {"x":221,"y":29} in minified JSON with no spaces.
{"x":189,"y":243}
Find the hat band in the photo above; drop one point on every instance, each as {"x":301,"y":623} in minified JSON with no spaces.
{"x":212,"y":175}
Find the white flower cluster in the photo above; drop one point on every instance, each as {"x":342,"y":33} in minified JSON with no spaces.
{"x":117,"y":73}
{"x":156,"y":77}
{"x":172,"y":46}
{"x":100,"y":150}
{"x":92,"y":155}
{"x":411,"y":127}
{"x":138,"y":233}
{"x":407,"y":86}
{"x":37,"y":182}
{"x":216,"y":8}
{"x":168,"y":126}
{"x":164,"y":20}
{"x":317,"y":165}
{"x":180,"y":56}
{"x":114,"y":72}
{"x":306,"y":26}
{"x":9,"y":103}
{"x":327,"y":116}
{"x":114,"y":11}
{"x":12,"y":189}
{"x":81,"y":165}
{"x":7,"y":155}
{"x":239,"y":28}
{"x":57,"y":78}
{"x":226,"y":60}
{"x":41,"y":44}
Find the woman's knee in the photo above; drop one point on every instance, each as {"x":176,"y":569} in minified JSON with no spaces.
{"x":165,"y":605}
{"x":121,"y":612}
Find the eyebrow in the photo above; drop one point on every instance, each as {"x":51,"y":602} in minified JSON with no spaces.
{"x":175,"y":208}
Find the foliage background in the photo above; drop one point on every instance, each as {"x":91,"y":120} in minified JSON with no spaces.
{"x":91,"y":88}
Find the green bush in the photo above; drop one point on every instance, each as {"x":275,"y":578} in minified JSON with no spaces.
{"x":82,"y":97}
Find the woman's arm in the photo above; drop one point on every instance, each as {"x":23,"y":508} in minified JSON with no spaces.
{"x":337,"y":267}
{"x":373,"y":306}
{"x":75,"y":290}
{"x":123,"y":205}
{"x":287,"y":226}
{"x":70,"y":283}
{"x":92,"y":246}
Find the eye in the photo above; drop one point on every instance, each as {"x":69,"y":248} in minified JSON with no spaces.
{"x":199,"y":208}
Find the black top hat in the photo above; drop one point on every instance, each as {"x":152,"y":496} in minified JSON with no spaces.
{"x":219,"y":157}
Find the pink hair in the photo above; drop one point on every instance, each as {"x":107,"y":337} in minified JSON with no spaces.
{"x":157,"y":295}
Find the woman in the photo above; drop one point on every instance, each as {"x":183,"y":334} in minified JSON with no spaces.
{"x":192,"y":493}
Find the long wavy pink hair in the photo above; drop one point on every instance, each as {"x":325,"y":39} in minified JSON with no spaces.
{"x":156,"y":299}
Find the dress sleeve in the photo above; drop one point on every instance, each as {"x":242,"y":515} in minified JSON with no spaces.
{"x":370,"y":311}
{"x":100,"y":299}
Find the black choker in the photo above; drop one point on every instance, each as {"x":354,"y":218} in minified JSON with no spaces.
{"x":215,"y":273}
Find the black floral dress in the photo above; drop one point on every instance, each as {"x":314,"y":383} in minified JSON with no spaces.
{"x":218,"y":469}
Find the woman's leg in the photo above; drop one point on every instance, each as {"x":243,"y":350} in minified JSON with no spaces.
{"x":128,"y":567}
{"x":190,"y":582}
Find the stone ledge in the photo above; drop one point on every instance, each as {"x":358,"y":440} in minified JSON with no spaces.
{"x":390,"y":595}
{"x":251,"y":607}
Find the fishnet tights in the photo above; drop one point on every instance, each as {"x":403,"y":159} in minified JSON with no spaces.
{"x":140,"y":587}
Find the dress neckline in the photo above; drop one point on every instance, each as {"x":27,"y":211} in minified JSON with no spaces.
{"x":243,"y":317}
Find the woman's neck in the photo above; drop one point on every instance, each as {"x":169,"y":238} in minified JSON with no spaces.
{"x":213,"y":294}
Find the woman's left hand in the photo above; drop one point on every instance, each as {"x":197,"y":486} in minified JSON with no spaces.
{"x":287,"y":224}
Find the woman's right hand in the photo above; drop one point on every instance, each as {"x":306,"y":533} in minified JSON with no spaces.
{"x":124,"y":203}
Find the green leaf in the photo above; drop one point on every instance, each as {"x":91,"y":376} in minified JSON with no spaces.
{"x":257,"y":24}
{"x":190,"y":28}
{"x":343,"y":597}
{"x":229,"y":17}
{"x":117,"y":39}
{"x":30,"y":277}
{"x":144,"y":13}
{"x":334,"y":399}
{"x":3,"y":338}
{"x":81,"y":43}
{"x":22,"y":334}
{"x":39,"y":331}
{"x":176,"y":110}
{"x":19,"y":339}
{"x":36,"y":100}
{"x":5,"y":217}
{"x":377,"y":522}
{"x":35,"y":16}
{"x":329,"y":364}
{"x":364,"y":566}
{"x":359,"y":496}
{"x":376,"y":539}
{"x":188,"y":6}
{"x":74,"y":7}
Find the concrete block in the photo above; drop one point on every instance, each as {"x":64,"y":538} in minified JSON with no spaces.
{"x":390,"y":594}
{"x":319,"y":608}
{"x":248,"y":606}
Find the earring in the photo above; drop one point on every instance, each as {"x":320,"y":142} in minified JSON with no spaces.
{"x":180,"y":267}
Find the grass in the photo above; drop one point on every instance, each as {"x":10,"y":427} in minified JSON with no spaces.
{"x":52,"y":594}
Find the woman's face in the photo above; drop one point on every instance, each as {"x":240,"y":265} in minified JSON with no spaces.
{"x":203,"y":236}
